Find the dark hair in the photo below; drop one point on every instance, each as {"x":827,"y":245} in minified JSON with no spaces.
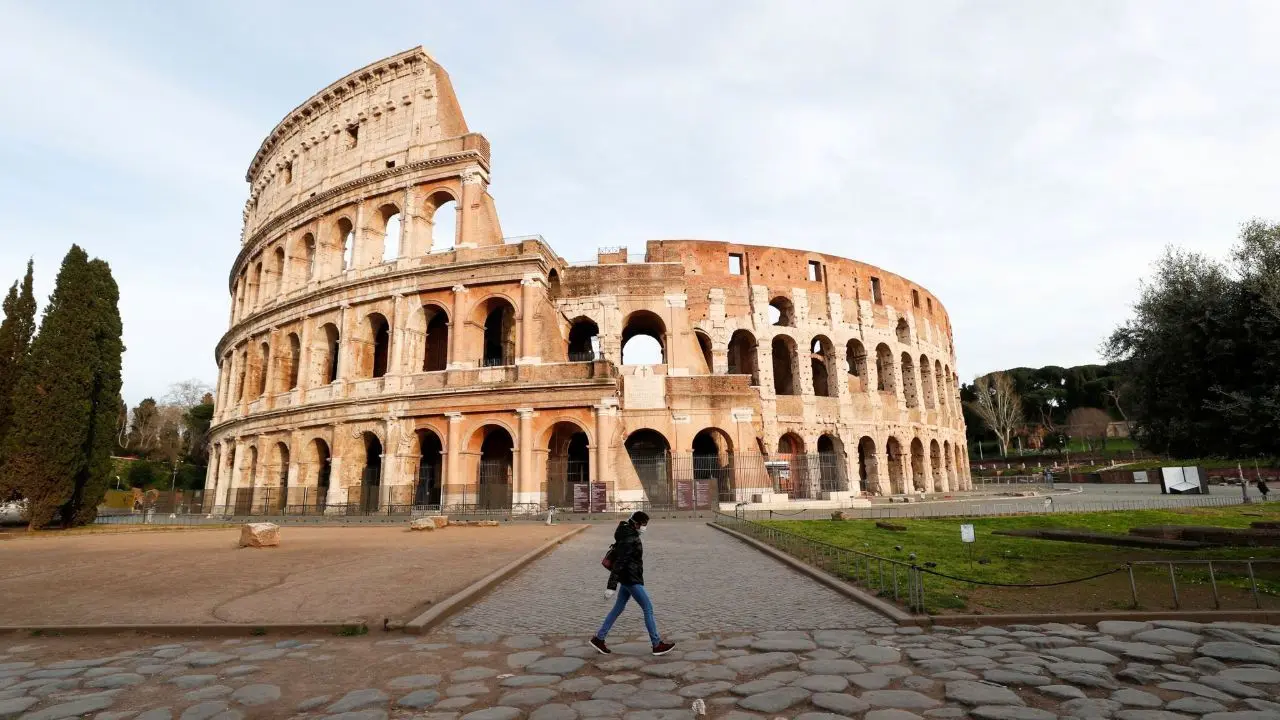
{"x":640,"y":517}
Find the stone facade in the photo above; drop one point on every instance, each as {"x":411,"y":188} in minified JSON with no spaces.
{"x":372,"y":359}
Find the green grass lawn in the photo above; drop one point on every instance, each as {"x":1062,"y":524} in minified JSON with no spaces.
{"x":1025,"y":560}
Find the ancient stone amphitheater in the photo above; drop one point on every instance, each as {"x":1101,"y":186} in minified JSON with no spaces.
{"x":388,"y":348}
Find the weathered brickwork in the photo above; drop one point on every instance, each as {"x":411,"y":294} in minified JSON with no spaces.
{"x":370,"y":356}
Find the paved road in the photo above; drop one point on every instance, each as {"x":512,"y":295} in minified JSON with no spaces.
{"x":700,"y":580}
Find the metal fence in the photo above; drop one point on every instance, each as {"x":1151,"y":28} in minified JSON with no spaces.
{"x":889,"y":578}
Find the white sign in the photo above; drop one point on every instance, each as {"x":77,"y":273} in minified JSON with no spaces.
{"x":1140,"y":476}
{"x":966,"y":533}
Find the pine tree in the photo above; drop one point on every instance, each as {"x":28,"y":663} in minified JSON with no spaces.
{"x":15,"y":341}
{"x":56,"y":449}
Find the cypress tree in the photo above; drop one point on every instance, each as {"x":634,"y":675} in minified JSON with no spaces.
{"x":54,"y":450}
{"x":15,"y":341}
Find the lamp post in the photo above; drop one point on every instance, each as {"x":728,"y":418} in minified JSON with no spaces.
{"x":1067,"y":446}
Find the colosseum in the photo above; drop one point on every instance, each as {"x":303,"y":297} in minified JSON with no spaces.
{"x":390,"y":350}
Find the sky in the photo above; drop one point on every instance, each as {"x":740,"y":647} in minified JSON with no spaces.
{"x":1025,"y":161}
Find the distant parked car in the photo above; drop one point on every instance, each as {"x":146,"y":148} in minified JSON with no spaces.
{"x":11,"y":513}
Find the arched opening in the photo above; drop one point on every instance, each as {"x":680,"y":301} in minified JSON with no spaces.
{"x":884,"y":369}
{"x":281,"y":465}
{"x":961,"y":482}
{"x":785,"y":369}
{"x":743,"y":355}
{"x":347,"y":236}
{"x":950,"y":465}
{"x":264,"y":366}
{"x":782,"y":312}
{"x":553,"y":284}
{"x":855,"y":357}
{"x":650,"y":456}
{"x":909,"y":381}
{"x":444,"y":222}
{"x":499,"y":332}
{"x":279,"y":271}
{"x":241,"y":375}
{"x":326,"y":354}
{"x":903,"y":331}
{"x":897,"y":469}
{"x":239,"y":293}
{"x":795,"y":481}
{"x":245,"y":497}
{"x":831,"y":464}
{"x":375,"y":353}
{"x":940,"y":382}
{"x":822,"y":362}
{"x":371,"y":473}
{"x":704,"y":345}
{"x":294,"y":359}
{"x":568,"y":467}
{"x":926,"y":382}
{"x":435,"y":351}
{"x":713,"y":461}
{"x":584,"y":340}
{"x":868,"y":465}
{"x":918,"y":477}
{"x":494,"y":486}
{"x":427,"y":489}
{"x":390,"y":215}
{"x":255,"y":286}
{"x":320,"y":462}
{"x":935,"y":466}
{"x":309,"y":255}
{"x":644,"y":339}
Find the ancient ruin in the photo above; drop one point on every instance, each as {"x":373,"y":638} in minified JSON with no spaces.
{"x":388,"y":348}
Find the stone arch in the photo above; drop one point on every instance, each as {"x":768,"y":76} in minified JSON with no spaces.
{"x":782,"y":311}
{"x":494,"y":445}
{"x":941,"y":384}
{"x":650,"y":454}
{"x":325,"y":351}
{"x":568,"y":448}
{"x":705,"y":352}
{"x":822,"y":361}
{"x":903,"y":331}
{"x":868,"y":465}
{"x":884,"y":369}
{"x":855,"y":358}
{"x":744,"y":355}
{"x":426,"y":340}
{"x":255,"y":286}
{"x":935,"y":466}
{"x":918,"y":477}
{"x":635,"y":351}
{"x":950,"y":384}
{"x":318,"y":471}
{"x":345,"y":235}
{"x":711,"y":455}
{"x":584,"y":340}
{"x":369,"y":496}
{"x":962,"y":482}
{"x":310,"y":257}
{"x":264,"y":365}
{"x":280,"y":471}
{"x":443,"y":209}
{"x":496,"y":315}
{"x":373,"y":346}
{"x":897,"y":466}
{"x":926,"y":382}
{"x":786,"y":370}
{"x":428,"y":480}
{"x":791,"y":450}
{"x":909,"y":381}
{"x":291,"y":361}
{"x":949,"y":460}
{"x":279,"y":270}
{"x":832,"y":464}
{"x":390,"y":219}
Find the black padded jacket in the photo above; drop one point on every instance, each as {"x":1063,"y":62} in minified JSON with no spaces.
{"x":628,"y":556}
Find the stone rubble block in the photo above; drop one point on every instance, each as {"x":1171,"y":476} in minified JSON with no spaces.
{"x":260,"y":535}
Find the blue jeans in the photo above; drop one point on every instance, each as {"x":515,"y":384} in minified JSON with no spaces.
{"x":626,"y":592}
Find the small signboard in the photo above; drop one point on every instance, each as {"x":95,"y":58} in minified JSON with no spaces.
{"x":1140,"y":476}
{"x":599,"y":497}
{"x":580,"y":497}
{"x":966,"y":533}
{"x":702,"y":494}
{"x":684,"y":495}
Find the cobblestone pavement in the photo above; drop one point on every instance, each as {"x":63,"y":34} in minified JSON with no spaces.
{"x":1123,"y":670}
{"x":700,"y":580}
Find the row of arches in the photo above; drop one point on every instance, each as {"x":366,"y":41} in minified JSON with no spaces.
{"x":782,"y":313}
{"x":338,"y":246}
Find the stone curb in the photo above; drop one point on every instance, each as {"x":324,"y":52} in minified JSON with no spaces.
{"x":198,"y":629}
{"x":894,"y":613}
{"x":459,"y":600}
{"x":1269,"y":617}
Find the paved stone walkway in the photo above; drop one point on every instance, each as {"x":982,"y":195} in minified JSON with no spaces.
{"x":700,"y":580}
{"x":1121,"y":670}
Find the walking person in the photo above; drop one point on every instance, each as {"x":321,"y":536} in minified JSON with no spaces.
{"x":626,"y":575}
{"x":1262,"y":488}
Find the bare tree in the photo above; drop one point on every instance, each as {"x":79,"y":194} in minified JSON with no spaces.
{"x":187,"y":393}
{"x":1090,"y":423}
{"x":998,"y":406}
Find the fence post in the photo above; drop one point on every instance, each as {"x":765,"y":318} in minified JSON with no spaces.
{"x":1133,"y":587}
{"x":1253,"y":584}
{"x":1173,"y":582}
{"x":1213,"y":583}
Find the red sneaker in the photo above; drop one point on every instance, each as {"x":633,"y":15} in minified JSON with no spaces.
{"x":663,"y":648}
{"x":600,"y":647}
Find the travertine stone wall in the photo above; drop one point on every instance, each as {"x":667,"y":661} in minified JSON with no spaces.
{"x":368,"y":357}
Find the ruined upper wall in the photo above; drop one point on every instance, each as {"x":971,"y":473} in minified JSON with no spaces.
{"x":394,"y":112}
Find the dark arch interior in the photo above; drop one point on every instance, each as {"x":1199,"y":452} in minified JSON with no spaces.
{"x":496,"y":469}
{"x":704,"y":344}
{"x":371,"y":475}
{"x":381,"y":335}
{"x":499,"y":334}
{"x":650,"y":455}
{"x":568,"y":463}
{"x":742,"y":356}
{"x":784,"y":365}
{"x":435,"y":356}
{"x":427,"y":489}
{"x":584,"y":340}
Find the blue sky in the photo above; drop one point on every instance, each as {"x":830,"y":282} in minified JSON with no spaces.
{"x":1024,"y":161}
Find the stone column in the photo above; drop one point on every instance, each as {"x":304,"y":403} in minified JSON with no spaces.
{"x":211,"y":472}
{"x":468,"y":226}
{"x":601,"y":470}
{"x":344,"y":352}
{"x":359,"y":244}
{"x":337,"y":447}
{"x":884,"y":472}
{"x":392,"y":469}
{"x":304,"y":363}
{"x":406,"y":224}
{"x":526,"y":490}
{"x":528,"y":331}
{"x":456,"y":326}
{"x":294,"y":477}
{"x":395,"y":366}
{"x":453,"y":450}
{"x":237,"y":470}
{"x":927,"y":466}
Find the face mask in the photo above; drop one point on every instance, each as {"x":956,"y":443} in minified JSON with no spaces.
{"x":641,"y":529}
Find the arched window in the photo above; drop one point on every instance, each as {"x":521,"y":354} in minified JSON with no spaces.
{"x":279,"y":271}
{"x":903,"y":331}
{"x":240,"y":290}
{"x":294,"y":360}
{"x":822,"y":362}
{"x":494,"y":479}
{"x":326,"y":354}
{"x":868,"y":465}
{"x":255,"y":286}
{"x":897,"y":469}
{"x":918,"y":478}
{"x":650,"y":456}
{"x":926,"y":382}
{"x":949,"y":459}
{"x":242,"y":375}
{"x":785,"y":368}
{"x":704,"y":345}
{"x":584,"y":340}
{"x":391,"y":232}
{"x":374,"y":363}
{"x":319,"y":469}
{"x":855,"y":357}
{"x":309,"y":254}
{"x":743,"y":355}
{"x":713,"y":460}
{"x":831,"y":464}
{"x":435,"y":355}
{"x":935,"y":466}
{"x":264,"y":366}
{"x":371,"y":474}
{"x":568,"y":463}
{"x":444,"y":221}
{"x":941,"y":384}
{"x":644,"y":339}
{"x":347,"y":237}
{"x":909,"y":381}
{"x":281,"y":466}
{"x":499,"y":322}
{"x":430,"y":460}
{"x":782,"y":312}
{"x":796,"y":482}
{"x":553,"y":284}
{"x":884,"y":369}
